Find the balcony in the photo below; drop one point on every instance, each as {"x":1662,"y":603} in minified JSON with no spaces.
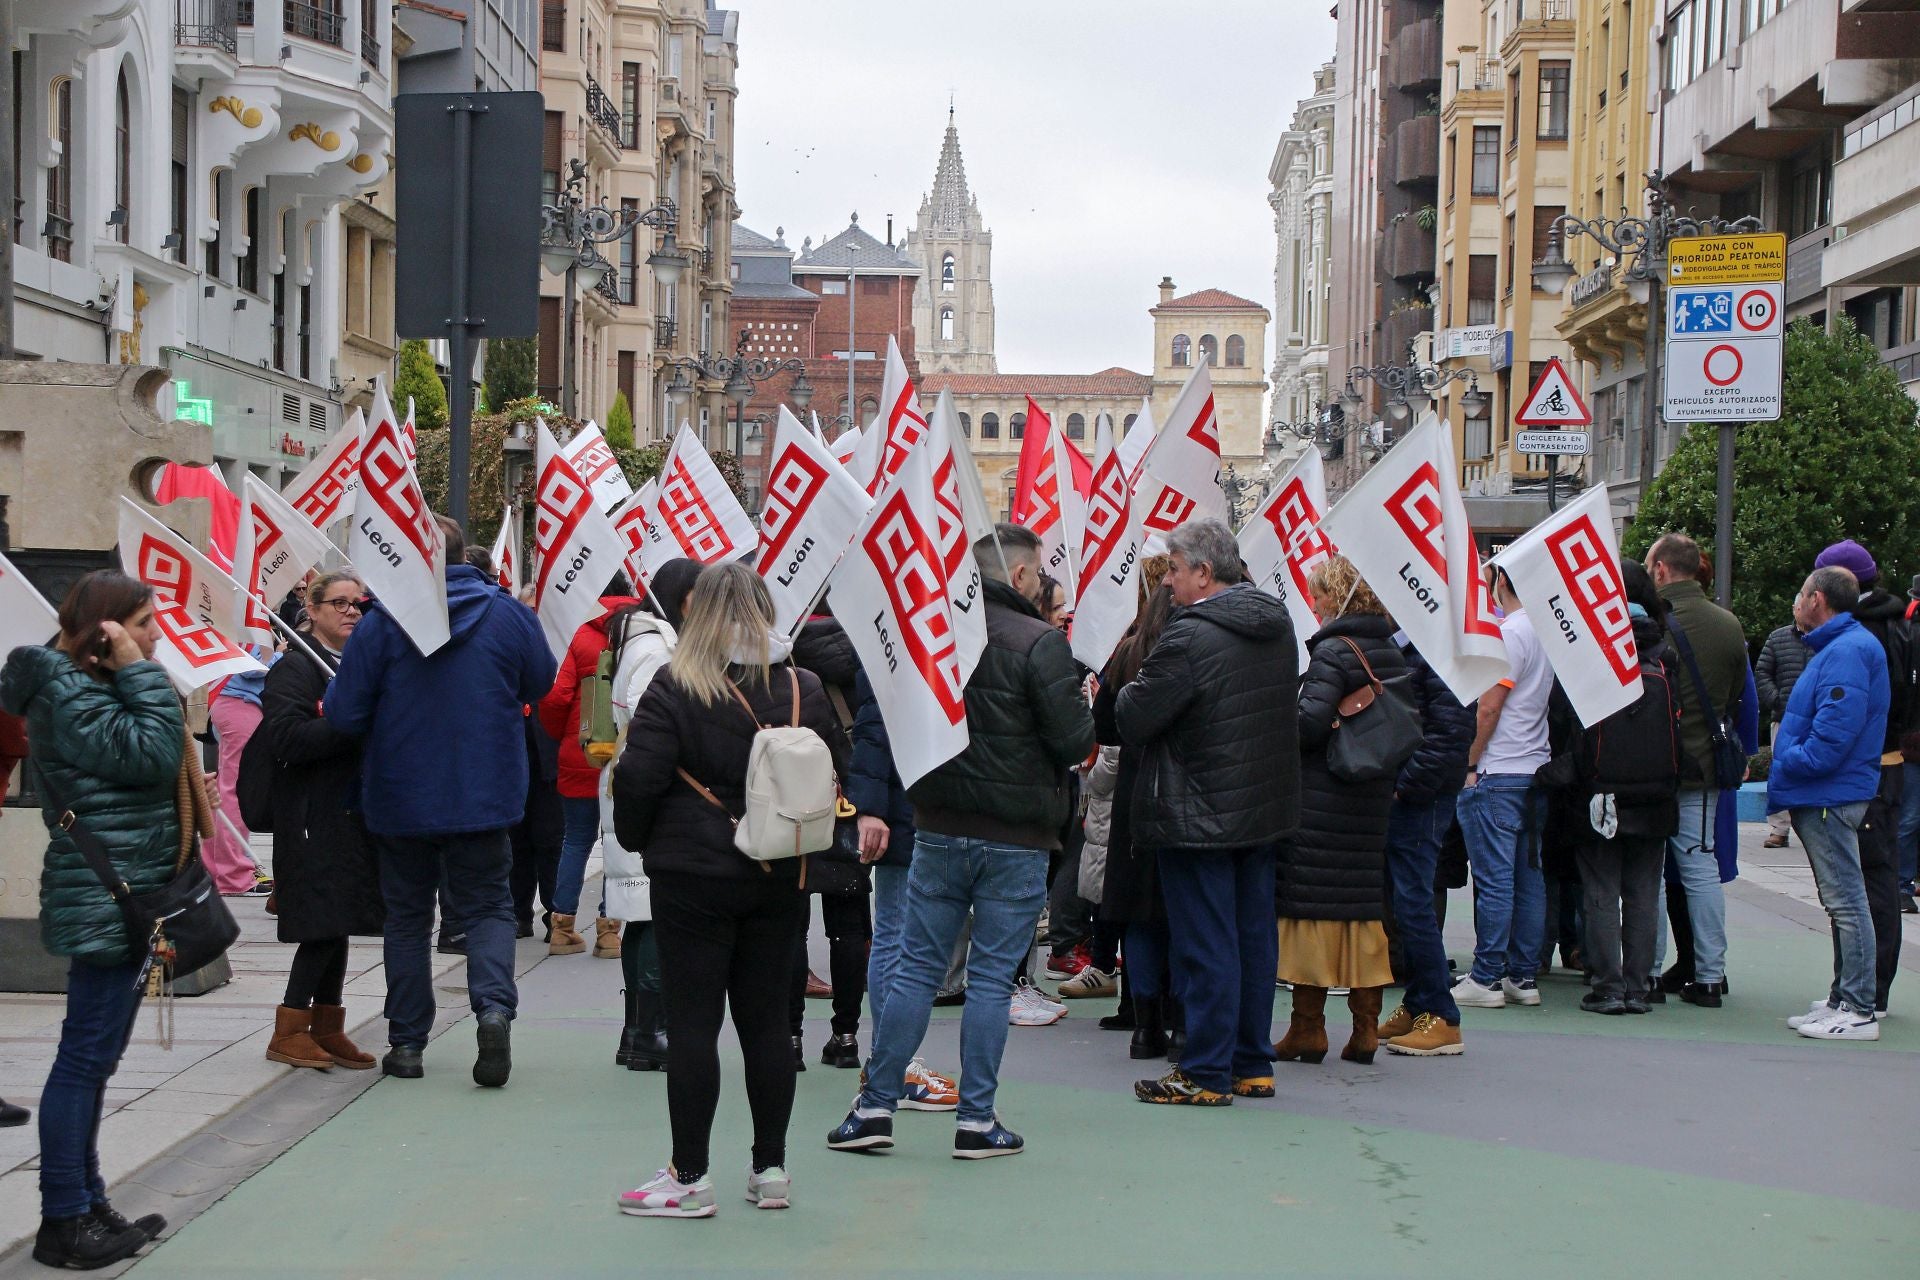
{"x":1400,"y":328}
{"x":207,"y":24}
{"x":603,"y":112}
{"x":664,"y":329}
{"x":1411,"y":250}
{"x":1416,"y":151}
{"x":1413,"y":62}
{"x":320,"y":20}
{"x":670,"y":116}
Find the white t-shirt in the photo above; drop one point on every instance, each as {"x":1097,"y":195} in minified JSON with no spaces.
{"x":1519,"y":741}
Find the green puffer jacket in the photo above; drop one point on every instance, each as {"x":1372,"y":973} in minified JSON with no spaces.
{"x":112,"y":749}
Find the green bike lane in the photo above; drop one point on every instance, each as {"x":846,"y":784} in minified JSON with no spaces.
{"x":1685,"y":1142}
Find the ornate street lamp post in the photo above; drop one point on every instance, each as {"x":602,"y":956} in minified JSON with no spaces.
{"x":738,"y":373}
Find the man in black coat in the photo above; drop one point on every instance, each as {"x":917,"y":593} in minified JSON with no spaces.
{"x":1214,"y":712}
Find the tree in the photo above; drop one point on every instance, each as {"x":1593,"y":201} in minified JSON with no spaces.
{"x":1842,"y":461}
{"x":513,"y":364}
{"x":619,"y":428}
{"x":420,"y":379}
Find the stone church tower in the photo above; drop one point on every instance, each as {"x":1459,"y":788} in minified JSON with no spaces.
{"x":953,"y":310}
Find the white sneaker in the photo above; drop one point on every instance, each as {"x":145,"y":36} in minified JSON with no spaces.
{"x":1029,"y":1009}
{"x":1525,"y":991}
{"x":1817,"y":1010}
{"x":1840,"y":1024}
{"x":772,"y":1189}
{"x":668,"y":1197}
{"x":1472,"y":995}
{"x":1090,"y":982}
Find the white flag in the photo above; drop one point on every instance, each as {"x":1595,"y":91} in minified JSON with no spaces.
{"x":273,"y":550}
{"x":902,"y":425}
{"x":410,"y":438}
{"x":960,"y":519}
{"x":198,"y":609}
{"x":692,"y":513}
{"x":1134,"y":447}
{"x":809,"y":517}
{"x":973,"y":503}
{"x":25,"y":616}
{"x":1109,"y":557}
{"x":1281,"y":542}
{"x":630,"y":522}
{"x":891,"y":594}
{"x":1179,"y":476}
{"x":506,"y":556}
{"x":1052,"y":510}
{"x":1566,"y":571}
{"x":575,"y":548}
{"x":323,"y":491}
{"x":1405,"y":528}
{"x":593,"y":458}
{"x":396,"y":544}
{"x":844,"y":449}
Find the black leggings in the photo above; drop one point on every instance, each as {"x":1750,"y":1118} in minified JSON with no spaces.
{"x":319,"y":973}
{"x":849,"y":927}
{"x":727,"y":944}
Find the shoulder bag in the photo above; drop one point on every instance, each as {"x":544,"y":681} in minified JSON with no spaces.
{"x":1375,"y":735}
{"x":1729,"y":761}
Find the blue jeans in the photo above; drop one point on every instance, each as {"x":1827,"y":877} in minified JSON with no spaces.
{"x":478,"y":865}
{"x":1004,"y":885}
{"x":889,"y":923}
{"x":1831,"y":837}
{"x":1690,"y":850}
{"x":583,"y":829}
{"x":101,"y":1004}
{"x":1909,"y":825}
{"x":1146,"y":949}
{"x":1224,"y":950}
{"x":1415,"y":833}
{"x":1500,"y":819}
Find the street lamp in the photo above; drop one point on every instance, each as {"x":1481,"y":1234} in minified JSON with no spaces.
{"x":1410,"y":387}
{"x":738,"y":373}
{"x":1241,"y":491}
{"x":1644,"y":241}
{"x":571,"y":233}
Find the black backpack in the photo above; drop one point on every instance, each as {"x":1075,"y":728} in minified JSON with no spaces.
{"x":253,"y":786}
{"x":1635,"y":752}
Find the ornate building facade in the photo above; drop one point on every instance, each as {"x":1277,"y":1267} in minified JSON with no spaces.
{"x":953,"y":309}
{"x":1302,"y":203}
{"x":1229,"y":333}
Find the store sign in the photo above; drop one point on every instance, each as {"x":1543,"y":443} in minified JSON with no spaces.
{"x":1457,"y":344}
{"x":1590,"y":286}
{"x":1500,"y":355}
{"x":291,"y":447}
{"x":185,"y":406}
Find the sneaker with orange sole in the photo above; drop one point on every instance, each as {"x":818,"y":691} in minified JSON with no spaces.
{"x":928,"y":1090}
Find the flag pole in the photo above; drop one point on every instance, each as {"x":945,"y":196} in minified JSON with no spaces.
{"x":290,"y":633}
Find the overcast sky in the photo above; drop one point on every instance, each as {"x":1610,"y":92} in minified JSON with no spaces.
{"x":1108,"y":142}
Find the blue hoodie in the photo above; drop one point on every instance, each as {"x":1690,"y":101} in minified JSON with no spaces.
{"x":445,"y":735}
{"x":1828,"y":749}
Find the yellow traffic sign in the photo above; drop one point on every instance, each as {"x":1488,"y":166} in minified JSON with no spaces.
{"x":1745,"y":259}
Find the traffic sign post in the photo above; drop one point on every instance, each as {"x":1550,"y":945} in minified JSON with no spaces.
{"x":1553,"y":406}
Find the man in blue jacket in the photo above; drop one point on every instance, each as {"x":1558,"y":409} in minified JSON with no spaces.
{"x":1826,"y":767}
{"x":445,"y":776}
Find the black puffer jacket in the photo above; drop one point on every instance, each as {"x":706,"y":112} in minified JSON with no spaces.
{"x":1335,"y":868}
{"x":653,"y":807}
{"x":1131,"y":894}
{"x":822,"y":647}
{"x":1213,"y":714}
{"x":1027,"y":725}
{"x":1439,"y":765}
{"x":1782,"y":658}
{"x":1885,"y":616}
{"x":872,"y":786}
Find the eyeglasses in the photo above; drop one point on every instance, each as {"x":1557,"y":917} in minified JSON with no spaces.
{"x":345,"y":603}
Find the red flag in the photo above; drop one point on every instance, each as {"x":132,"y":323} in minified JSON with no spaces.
{"x":177,"y":481}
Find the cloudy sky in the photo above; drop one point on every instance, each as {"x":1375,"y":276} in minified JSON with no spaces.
{"x":1109,"y":143}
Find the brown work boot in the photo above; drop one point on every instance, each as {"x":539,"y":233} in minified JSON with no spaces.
{"x":1306,"y":1038}
{"x":292,"y":1041}
{"x":1365,"y":1004}
{"x":1431,"y":1037}
{"x":1398,"y":1023}
{"x":562,"y":940}
{"x":606,"y":939}
{"x":329,"y":1032}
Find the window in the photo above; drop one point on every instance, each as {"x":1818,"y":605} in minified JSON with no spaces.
{"x":1016,"y":426}
{"x":869,"y":409}
{"x":548,"y":366}
{"x":966,"y":424}
{"x":552,"y":157}
{"x":59,"y":230}
{"x":946,"y":324}
{"x":1808,"y":193}
{"x":1076,"y":427}
{"x":182,"y":130}
{"x":280,"y":321}
{"x":1181,"y":348}
{"x":216,"y":256}
{"x":1236,"y":351}
{"x":1543,"y":219}
{"x":553,"y":25}
{"x":1757,"y":13}
{"x":874,"y":285}
{"x":122,"y":159}
{"x":1131,"y":419}
{"x":946,"y":273}
{"x":1679,"y":45}
{"x":250,"y":261}
{"x":713,"y":119}
{"x":1209,"y":349}
{"x":1513,"y":111}
{"x":1554,"y":77}
{"x":19,"y":114}
{"x":1512,"y":245}
{"x":676,"y":54}
{"x":706,"y":327}
{"x":1486,"y":160}
{"x":989,"y":426}
{"x":627,"y":283}
{"x":833,"y":288}
{"x":630,"y":105}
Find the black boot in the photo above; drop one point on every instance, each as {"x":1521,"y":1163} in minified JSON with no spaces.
{"x":83,"y":1243}
{"x":649,"y":1052}
{"x":1149,"y":1030}
{"x":841,"y":1051}
{"x":629,"y":1029}
{"x":12,"y":1116}
{"x":149,"y":1225}
{"x":1122,"y":1019}
{"x":1176,"y":1030}
{"x":799,"y":1054}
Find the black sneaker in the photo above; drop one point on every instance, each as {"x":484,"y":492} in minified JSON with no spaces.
{"x":403,"y":1061}
{"x":1635,"y":1004}
{"x":971,"y":1144}
{"x":1595,"y":1002}
{"x":1121,"y":1021}
{"x":12,"y":1117}
{"x":452,"y":944}
{"x":799,"y":1054}
{"x":495,"y":1039}
{"x":873,"y":1133}
{"x":948,"y":999}
{"x":1908,"y":907}
{"x":84,"y":1243}
{"x":149,"y":1225}
{"x":1704,"y":994}
{"x":841,"y":1051}
{"x":523,"y":929}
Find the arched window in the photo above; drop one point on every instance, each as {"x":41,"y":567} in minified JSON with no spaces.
{"x":946,"y":324}
{"x":59,"y":226}
{"x":1016,"y":426}
{"x":1236,"y":351}
{"x":946,"y":273}
{"x":1209,"y":350}
{"x":122,"y":158}
{"x":1181,"y":350}
{"x":1128,"y":424}
{"x":1076,"y":427}
{"x":966,"y":424}
{"x":989,"y":426}
{"x":869,"y":409}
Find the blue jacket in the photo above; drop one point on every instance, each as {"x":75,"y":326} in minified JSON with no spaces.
{"x":445,"y":735}
{"x":1828,"y":748}
{"x":872,"y":786}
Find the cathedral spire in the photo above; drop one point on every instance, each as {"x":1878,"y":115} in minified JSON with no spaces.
{"x":950,"y":198}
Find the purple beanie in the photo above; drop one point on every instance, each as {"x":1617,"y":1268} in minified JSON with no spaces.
{"x":1852,"y":557}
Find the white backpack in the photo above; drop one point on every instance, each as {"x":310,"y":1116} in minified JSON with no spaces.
{"x":791,"y":789}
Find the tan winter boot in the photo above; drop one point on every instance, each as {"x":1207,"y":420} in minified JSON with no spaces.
{"x":292,"y":1041}
{"x":330,"y":1033}
{"x":1306,"y":1038}
{"x":606,"y":939}
{"x":1365,"y":1004}
{"x":564,"y":941}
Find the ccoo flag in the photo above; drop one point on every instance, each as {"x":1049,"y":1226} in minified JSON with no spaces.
{"x":198,"y":609}
{"x":506,"y":556}
{"x":1046,"y":501}
{"x":811,"y":512}
{"x":1405,"y":528}
{"x":960,"y":520}
{"x":25,"y":615}
{"x":576,"y":550}
{"x":396,"y":544}
{"x":630,"y":522}
{"x":1281,"y":542}
{"x":695,"y":514}
{"x":593,"y":458}
{"x":275,"y":548}
{"x":323,"y":491}
{"x":1109,"y":595}
{"x":1567,"y":568}
{"x":1179,"y":478}
{"x":902,"y":425}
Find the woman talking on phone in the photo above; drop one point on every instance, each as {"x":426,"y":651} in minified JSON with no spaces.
{"x":107,"y":737}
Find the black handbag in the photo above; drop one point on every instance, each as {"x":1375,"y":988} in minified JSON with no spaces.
{"x":177,"y":929}
{"x":1378,"y":730}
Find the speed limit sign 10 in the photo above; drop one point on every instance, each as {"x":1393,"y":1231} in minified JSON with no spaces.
{"x":1756,"y":312}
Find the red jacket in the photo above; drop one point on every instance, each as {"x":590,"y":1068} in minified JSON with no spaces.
{"x":560,"y":709}
{"x":13,"y":747}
